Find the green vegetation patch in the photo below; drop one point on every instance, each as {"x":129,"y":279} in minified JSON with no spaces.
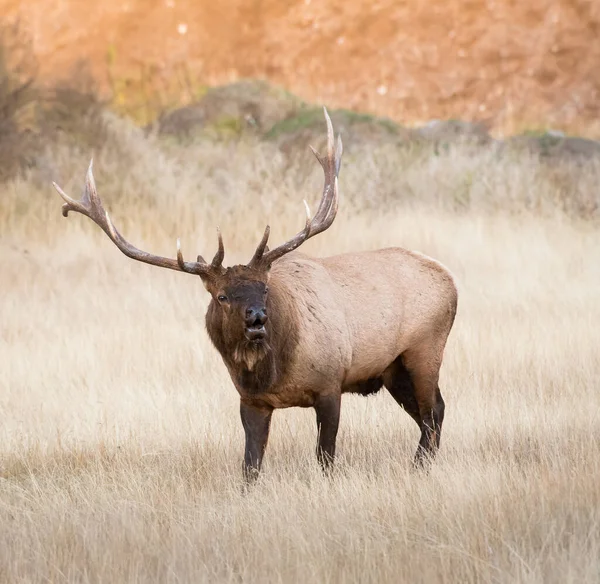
{"x":310,"y":117}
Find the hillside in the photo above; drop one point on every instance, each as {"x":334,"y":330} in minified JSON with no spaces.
{"x":512,"y":65}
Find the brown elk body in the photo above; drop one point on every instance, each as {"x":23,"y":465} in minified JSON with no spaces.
{"x":299,"y":331}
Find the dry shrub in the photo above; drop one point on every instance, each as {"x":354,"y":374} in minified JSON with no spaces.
{"x":72,"y":112}
{"x":205,"y":182}
{"x":18,"y":96}
{"x":35,"y":118}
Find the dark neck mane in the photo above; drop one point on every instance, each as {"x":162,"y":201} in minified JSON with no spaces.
{"x":257,"y":368}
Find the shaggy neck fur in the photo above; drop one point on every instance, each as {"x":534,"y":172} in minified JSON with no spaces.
{"x":250,"y":354}
{"x":256,"y":367}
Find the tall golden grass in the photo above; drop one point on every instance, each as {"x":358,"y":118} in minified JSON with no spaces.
{"x":120,"y":443}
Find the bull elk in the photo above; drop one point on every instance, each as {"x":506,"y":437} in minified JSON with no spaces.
{"x":294,"y":330}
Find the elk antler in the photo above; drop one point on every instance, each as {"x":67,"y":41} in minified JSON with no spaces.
{"x":325,"y":213}
{"x":90,"y":205}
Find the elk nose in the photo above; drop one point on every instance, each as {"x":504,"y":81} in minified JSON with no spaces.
{"x":256,"y":316}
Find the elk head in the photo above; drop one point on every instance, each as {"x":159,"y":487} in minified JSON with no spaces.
{"x":239,"y":293}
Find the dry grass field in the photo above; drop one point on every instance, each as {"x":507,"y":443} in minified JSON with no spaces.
{"x":120,"y":442}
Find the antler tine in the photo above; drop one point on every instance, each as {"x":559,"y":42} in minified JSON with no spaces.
{"x":330,"y":170}
{"x":91,"y":206}
{"x":339,"y":150}
{"x":90,"y":193}
{"x":220,"y":255}
{"x":328,"y":205}
{"x":307,"y":209}
{"x":260,"y":250}
{"x":331,"y":167}
{"x":71,"y":204}
{"x":180,"y":261}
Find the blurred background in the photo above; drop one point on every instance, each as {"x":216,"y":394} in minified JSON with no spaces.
{"x":498,"y":75}
{"x":512,"y":67}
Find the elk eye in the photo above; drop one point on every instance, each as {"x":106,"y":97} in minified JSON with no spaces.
{"x":266,"y":290}
{"x":222,"y":298}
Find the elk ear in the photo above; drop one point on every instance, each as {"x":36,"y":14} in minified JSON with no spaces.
{"x":209,"y":281}
{"x":216,"y":268}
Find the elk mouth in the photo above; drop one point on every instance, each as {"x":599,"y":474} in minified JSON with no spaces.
{"x":256,"y":333}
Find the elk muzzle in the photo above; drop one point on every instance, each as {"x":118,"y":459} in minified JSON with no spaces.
{"x":255,"y":319}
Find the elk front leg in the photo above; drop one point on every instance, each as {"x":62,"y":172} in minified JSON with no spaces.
{"x":256,"y":422}
{"x":328,"y":421}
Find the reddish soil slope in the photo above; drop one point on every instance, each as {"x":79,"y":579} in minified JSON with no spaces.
{"x":513,"y":63}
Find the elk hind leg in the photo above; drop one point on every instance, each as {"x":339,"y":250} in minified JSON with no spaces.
{"x":398,"y":382}
{"x":423,"y":368}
